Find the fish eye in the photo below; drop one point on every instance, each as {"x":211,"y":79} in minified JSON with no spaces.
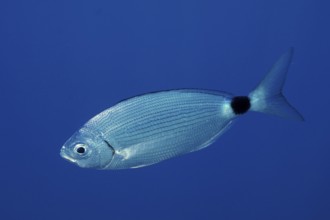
{"x":80,"y":149}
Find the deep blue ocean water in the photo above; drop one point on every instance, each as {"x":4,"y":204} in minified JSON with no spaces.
{"x":62,"y":62}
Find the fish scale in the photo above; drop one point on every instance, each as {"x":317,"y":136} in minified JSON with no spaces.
{"x":174,"y":125}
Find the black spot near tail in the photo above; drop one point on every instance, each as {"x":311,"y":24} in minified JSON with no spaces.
{"x":240,"y":104}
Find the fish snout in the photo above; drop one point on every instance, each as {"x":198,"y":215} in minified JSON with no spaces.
{"x":64,"y":155}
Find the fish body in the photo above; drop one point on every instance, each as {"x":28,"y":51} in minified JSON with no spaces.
{"x":150,"y":128}
{"x":153,"y":127}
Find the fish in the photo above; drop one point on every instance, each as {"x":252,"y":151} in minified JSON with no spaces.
{"x":157,"y":126}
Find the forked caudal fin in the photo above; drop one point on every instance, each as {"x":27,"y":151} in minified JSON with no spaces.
{"x":267,"y":97}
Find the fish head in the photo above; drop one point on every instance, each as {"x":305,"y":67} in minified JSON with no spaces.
{"x":87,"y":149}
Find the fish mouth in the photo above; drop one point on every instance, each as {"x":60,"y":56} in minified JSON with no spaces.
{"x":62,"y":153}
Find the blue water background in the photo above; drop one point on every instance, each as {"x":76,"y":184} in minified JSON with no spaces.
{"x":62,"y":62}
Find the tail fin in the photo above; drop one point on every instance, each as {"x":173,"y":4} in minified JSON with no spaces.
{"x":267,"y":96}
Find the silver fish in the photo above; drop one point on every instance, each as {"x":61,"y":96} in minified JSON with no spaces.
{"x":150,"y":128}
